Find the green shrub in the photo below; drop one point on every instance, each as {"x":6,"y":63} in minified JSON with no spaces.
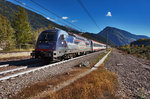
{"x":143,"y":52}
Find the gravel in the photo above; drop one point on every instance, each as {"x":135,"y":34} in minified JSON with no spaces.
{"x":133,"y":75}
{"x":7,"y":68}
{"x":11,"y":87}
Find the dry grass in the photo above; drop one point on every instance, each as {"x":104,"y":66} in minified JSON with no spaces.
{"x":48,"y":84}
{"x":94,"y":61}
{"x":16,"y":50}
{"x":14,"y":58}
{"x":100,"y":84}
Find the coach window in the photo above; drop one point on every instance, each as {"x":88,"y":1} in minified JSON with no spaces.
{"x":87,"y":44}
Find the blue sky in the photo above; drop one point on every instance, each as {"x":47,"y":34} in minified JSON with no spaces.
{"x":129,"y":15}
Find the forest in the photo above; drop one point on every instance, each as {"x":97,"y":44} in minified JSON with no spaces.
{"x":18,"y":33}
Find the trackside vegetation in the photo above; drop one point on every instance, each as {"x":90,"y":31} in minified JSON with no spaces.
{"x":17,"y":34}
{"x":6,"y":33}
{"x":143,"y":52}
{"x":100,"y":84}
{"x":22,"y":29}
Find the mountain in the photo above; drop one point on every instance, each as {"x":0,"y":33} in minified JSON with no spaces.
{"x":141,"y":42}
{"x":70,"y":28}
{"x":97,"y":37}
{"x":120,"y":37}
{"x":8,"y":9}
{"x":116,"y":36}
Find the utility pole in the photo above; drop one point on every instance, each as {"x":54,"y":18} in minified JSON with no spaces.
{"x":106,"y":41}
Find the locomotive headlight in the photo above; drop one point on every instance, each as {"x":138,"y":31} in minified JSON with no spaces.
{"x":62,"y":42}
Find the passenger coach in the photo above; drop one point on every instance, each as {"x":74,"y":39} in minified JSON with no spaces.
{"x":98,"y":46}
{"x":57,"y":44}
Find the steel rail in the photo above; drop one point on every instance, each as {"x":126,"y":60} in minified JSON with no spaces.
{"x":39,"y":68}
{"x":5,"y":65}
{"x":12,"y":70}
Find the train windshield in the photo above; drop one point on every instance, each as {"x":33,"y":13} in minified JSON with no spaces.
{"x":47,"y":36}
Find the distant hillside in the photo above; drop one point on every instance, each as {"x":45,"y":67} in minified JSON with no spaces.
{"x":71,"y":29}
{"x":120,"y":37}
{"x":97,"y":37}
{"x":140,"y":42}
{"x":36,"y":20}
{"x":116,"y":36}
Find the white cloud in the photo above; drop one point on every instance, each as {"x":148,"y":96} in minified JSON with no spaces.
{"x":64,"y":18}
{"x":74,"y":21}
{"x":48,"y":18}
{"x":109,"y":14}
{"x":24,"y":3}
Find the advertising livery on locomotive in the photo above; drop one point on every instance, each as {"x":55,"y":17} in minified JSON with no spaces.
{"x":56,"y":44}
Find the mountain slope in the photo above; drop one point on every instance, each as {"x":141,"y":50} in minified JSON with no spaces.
{"x":97,"y":37}
{"x":120,"y":37}
{"x":116,"y":36}
{"x":141,"y":42}
{"x":36,"y":20}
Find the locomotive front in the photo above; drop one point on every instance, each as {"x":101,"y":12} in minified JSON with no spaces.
{"x":46,"y":44}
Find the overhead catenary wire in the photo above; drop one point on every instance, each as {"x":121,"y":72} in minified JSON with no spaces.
{"x":55,"y":14}
{"x":85,"y":9}
{"x":36,"y":11}
{"x":39,"y":12}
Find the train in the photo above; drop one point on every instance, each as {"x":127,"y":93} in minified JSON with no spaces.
{"x":57,"y":44}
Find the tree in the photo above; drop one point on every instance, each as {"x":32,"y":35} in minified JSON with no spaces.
{"x":36,"y":34}
{"x":50,"y":26}
{"x":22,"y":28}
{"x":6,"y":33}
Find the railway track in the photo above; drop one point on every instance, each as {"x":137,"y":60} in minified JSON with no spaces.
{"x":19,"y":71}
{"x":5,"y":65}
{"x":13,"y":82}
{"x":8,"y":71}
{"x":16,"y":71}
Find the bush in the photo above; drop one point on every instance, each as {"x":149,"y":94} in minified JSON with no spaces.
{"x":143,"y":52}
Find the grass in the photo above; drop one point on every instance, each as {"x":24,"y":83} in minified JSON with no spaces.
{"x":14,"y":58}
{"x":100,"y":84}
{"x":16,"y":50}
{"x":143,"y":52}
{"x":47,"y":84}
{"x":94,"y":61}
{"x":10,"y":54}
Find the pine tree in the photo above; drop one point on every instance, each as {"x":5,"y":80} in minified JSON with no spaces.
{"x":50,"y":26}
{"x":6,"y":33}
{"x":22,"y":28}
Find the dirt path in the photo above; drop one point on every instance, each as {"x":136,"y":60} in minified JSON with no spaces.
{"x":133,"y":75}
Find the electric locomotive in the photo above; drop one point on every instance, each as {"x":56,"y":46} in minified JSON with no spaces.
{"x":56,"y":44}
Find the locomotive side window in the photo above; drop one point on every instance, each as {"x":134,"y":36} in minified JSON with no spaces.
{"x":70,"y":39}
{"x":62,"y":37}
